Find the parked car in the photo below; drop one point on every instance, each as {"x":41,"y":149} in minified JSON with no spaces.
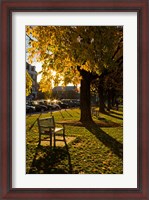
{"x":38,"y":106}
{"x":55,"y":106}
{"x":30,"y":109}
{"x":71,"y":102}
{"x":67,"y":101}
{"x":76,"y":102}
{"x":63,"y":105}
{"x":49,"y":105}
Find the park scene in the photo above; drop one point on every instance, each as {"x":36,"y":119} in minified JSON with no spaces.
{"x":74,"y":100}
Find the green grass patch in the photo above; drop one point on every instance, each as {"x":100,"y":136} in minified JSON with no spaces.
{"x":91,"y":149}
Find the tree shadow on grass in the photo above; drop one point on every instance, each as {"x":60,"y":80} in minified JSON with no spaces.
{"x":113,"y":112}
{"x":61,"y":114}
{"x":46,"y":161}
{"x":121,"y":118}
{"x":107,"y":140}
{"x":109,"y":114}
{"x":34,"y":122}
{"x":68,"y":113}
{"x":78,"y":113}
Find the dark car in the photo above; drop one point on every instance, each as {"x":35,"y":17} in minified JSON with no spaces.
{"x":38,"y":106}
{"x":71,"y":102}
{"x":55,"y":106}
{"x":76,"y":102}
{"x":30,"y":109}
{"x":49,"y":105}
{"x":63,"y":105}
{"x":67,"y":102}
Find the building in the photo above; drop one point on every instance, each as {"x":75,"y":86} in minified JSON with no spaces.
{"x":68,"y":92}
{"x":32,"y":72}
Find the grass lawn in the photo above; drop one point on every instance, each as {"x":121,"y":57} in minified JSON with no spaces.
{"x":91,"y":149}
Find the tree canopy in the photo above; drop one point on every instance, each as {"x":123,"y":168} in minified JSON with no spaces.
{"x":75,"y":53}
{"x":64,"y":48}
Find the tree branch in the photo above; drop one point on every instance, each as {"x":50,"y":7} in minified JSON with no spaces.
{"x":29,"y":37}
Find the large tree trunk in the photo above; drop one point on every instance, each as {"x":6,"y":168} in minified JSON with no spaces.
{"x":101,"y":96}
{"x":85,"y":104}
{"x":85,"y":97}
{"x":113,"y":97}
{"x":109,"y":100}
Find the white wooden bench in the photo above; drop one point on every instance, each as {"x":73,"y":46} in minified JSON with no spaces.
{"x":94,"y":112}
{"x":47,"y":128}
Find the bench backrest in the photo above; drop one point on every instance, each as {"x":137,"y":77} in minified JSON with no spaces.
{"x":44,"y":123}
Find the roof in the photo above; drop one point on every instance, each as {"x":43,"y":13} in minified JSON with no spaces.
{"x":67,"y":88}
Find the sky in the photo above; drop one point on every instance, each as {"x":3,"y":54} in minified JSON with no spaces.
{"x":39,"y":68}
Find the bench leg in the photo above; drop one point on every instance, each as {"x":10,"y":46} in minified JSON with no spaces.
{"x":64,"y":136}
{"x":54,"y":140}
{"x":39,"y":138}
{"x":50,"y":139}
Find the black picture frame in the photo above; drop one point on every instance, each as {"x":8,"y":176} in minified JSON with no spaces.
{"x":142,"y":9}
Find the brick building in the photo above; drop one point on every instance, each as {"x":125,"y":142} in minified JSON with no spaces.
{"x":32,"y":72}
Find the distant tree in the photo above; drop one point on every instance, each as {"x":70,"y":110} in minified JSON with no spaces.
{"x":109,"y":84}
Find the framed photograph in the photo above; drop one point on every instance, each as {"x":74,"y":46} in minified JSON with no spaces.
{"x":104,"y":158}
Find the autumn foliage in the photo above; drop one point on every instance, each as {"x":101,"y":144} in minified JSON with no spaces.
{"x":75,"y":53}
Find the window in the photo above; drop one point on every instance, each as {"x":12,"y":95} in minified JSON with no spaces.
{"x":27,"y":67}
{"x":32,"y":68}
